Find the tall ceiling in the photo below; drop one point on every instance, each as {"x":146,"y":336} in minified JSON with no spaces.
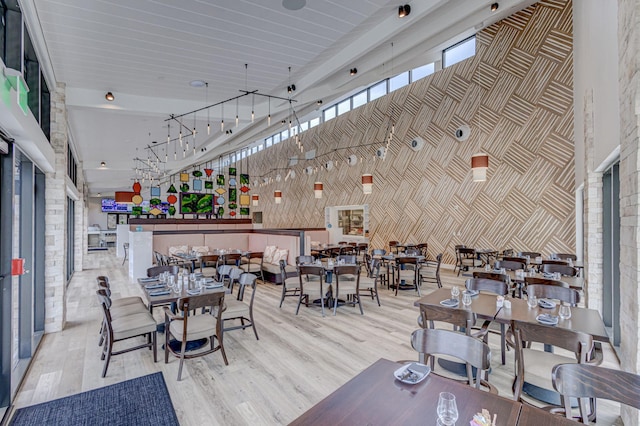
{"x":146,"y":52}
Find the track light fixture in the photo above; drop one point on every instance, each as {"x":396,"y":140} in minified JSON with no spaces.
{"x":109,"y":96}
{"x":494,"y":7}
{"x":319,"y":102}
{"x":291,"y":88}
{"x":404,"y":11}
{"x":353,"y":71}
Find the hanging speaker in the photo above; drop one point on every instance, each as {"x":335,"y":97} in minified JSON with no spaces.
{"x":328,"y":165}
{"x":462,"y":133}
{"x":352,"y":160}
{"x":381,"y":152}
{"x":417,"y":144}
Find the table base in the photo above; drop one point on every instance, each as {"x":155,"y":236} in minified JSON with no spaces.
{"x":192,"y":345}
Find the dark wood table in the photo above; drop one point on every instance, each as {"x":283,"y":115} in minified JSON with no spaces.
{"x":375,"y":397}
{"x":153,"y":301}
{"x":532,"y":416}
{"x":483,"y":305}
{"x":575,"y":283}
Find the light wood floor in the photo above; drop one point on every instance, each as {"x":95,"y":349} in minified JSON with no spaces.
{"x":298,"y":360}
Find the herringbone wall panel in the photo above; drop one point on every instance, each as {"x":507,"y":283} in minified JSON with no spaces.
{"x":516,"y":94}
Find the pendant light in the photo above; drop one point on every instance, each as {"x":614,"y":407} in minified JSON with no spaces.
{"x":277,"y":195}
{"x":269,"y":116}
{"x":317,"y":189}
{"x":254,"y":200}
{"x":206,"y":101}
{"x":479,"y":166}
{"x":367,"y":184}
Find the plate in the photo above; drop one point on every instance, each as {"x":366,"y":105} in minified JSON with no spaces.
{"x":412,"y":373}
{"x":159,"y":292}
{"x":547,"y":319}
{"x":450,"y":303}
{"x":154,"y":286}
{"x":213,"y":285}
{"x":546,"y":304}
{"x":148,"y":280}
{"x":471,"y":292}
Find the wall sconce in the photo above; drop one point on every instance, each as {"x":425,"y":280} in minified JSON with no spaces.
{"x":254,"y":200}
{"x":479,"y":166}
{"x":353,"y":71}
{"x":367,"y":184}
{"x":277,"y":195}
{"x":317,"y":189}
{"x":404,"y":11}
{"x":109,"y":96}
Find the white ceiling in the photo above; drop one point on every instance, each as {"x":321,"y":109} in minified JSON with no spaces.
{"x":147,"y":51}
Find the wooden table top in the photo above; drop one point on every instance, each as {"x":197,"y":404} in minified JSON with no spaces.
{"x":375,"y":397}
{"x":172,"y":297}
{"x":532,"y":416}
{"x":575,"y":283}
{"x":582,"y":319}
{"x":483,"y":305}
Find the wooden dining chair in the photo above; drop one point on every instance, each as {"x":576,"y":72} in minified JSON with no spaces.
{"x":209,"y":265}
{"x":473,"y":352}
{"x":511,"y":265}
{"x":565,"y":270}
{"x":198,"y":317}
{"x":239,"y":309}
{"x":468,"y":259}
{"x":254,"y":262}
{"x":561,"y":293}
{"x":290,"y":282}
{"x":347,"y":283}
{"x":534,"y":365}
{"x":584,"y":381}
{"x":311,"y":289}
{"x":554,"y":262}
{"x":529,"y":254}
{"x":132,"y":325}
{"x":232,"y":259}
{"x":407,"y":269}
{"x":393,"y":246}
{"x":369,"y":282}
{"x":564,"y":256}
{"x":430,"y":271}
{"x":424,"y":249}
{"x":496,"y":276}
{"x":155,"y":271}
{"x":544,"y":281}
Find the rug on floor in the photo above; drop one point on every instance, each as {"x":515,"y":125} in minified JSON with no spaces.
{"x":141,"y":401}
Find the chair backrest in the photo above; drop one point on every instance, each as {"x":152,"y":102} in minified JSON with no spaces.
{"x":307,"y":270}
{"x":573,"y":341}
{"x":467,"y":252}
{"x":457,"y":317}
{"x":507,"y":252}
{"x":531,"y":254}
{"x":564,"y":256}
{"x":544,"y":281}
{"x":438,"y":264}
{"x":347,"y":258}
{"x":472,"y":351}
{"x":496,"y":276}
{"x":255,"y":255}
{"x":509,"y":265}
{"x":554,"y":262}
{"x":209,"y":260}
{"x":492,"y":286}
{"x":233,"y":257}
{"x":413,"y":252}
{"x":515,"y":259}
{"x":205,"y":300}
{"x":235,"y":273}
{"x":351,"y":272}
{"x":248,"y":279}
{"x":301,"y":260}
{"x":362,"y":247}
{"x":564,"y":294}
{"x":284,"y":274}
{"x":423,"y":247}
{"x":378,"y":252}
{"x":590,"y":381}
{"x":154,"y":271}
{"x":393,"y":243}
{"x":224,"y":270}
{"x":373,"y":268}
{"x":103,"y":278}
{"x":567,"y":270}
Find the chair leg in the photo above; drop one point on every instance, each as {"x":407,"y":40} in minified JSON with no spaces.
{"x":359,"y":304}
{"x":253,"y":324}
{"x":335,"y":304}
{"x":109,"y":347}
{"x":224,"y":354}
{"x":182,"y":351}
{"x":167,"y":335}
{"x":284,"y":291}
{"x":154,"y":337}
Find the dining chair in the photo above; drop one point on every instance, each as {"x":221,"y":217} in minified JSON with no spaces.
{"x":311,"y":289}
{"x":544,"y":281}
{"x":369,"y":282}
{"x":458,"y":264}
{"x":430,"y":271}
{"x":119,"y":308}
{"x":290,"y":282}
{"x":498,"y":288}
{"x":511,"y":265}
{"x":155,"y":271}
{"x":126,"y":327}
{"x":234,"y":276}
{"x":209,"y":265}
{"x":554,"y":262}
{"x":564,"y":256}
{"x":254,"y":263}
{"x":473,"y":352}
{"x":413,"y":252}
{"x":350,"y":259}
{"x":468,"y":259}
{"x":584,"y":381}
{"x":496,"y":276}
{"x":305,"y":259}
{"x":424,"y":249}
{"x":361,"y":250}
{"x":566,"y":270}
{"x":534,"y":366}
{"x":529,"y":254}
{"x":393,"y":246}
{"x":224,"y":272}
{"x":239,"y":309}
{"x":232,"y":259}
{"x":198,"y":317}
{"x":407,"y":269}
{"x":103,"y":282}
{"x":347,"y":283}
{"x":563,"y":294}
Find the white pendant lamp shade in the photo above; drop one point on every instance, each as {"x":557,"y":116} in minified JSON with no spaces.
{"x":254,"y":200}
{"x":317,"y":189}
{"x":277,"y":195}
{"x":479,"y":166}
{"x":367,"y":183}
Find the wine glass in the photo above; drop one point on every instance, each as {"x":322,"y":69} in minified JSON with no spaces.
{"x":532,"y":300}
{"x":447,"y":409}
{"x":565,"y":311}
{"x":455,"y":292}
{"x":466,"y":299}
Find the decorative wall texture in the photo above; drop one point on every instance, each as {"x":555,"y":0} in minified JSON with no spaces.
{"x":516,"y":95}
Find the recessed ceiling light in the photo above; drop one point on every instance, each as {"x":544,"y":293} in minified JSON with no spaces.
{"x":197,"y":83}
{"x":109,"y":96}
{"x":154,"y":141}
{"x":103,"y":164}
{"x":494,"y":7}
{"x":294,"y":4}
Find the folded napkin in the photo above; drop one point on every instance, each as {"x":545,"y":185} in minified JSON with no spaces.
{"x":194,"y":292}
{"x":548,"y":275}
{"x":148,"y":280}
{"x":546,"y":304}
{"x":213,"y":285}
{"x":471,"y":292}
{"x":159,"y":292}
{"x":451,"y":303}
{"x":152,"y":286}
{"x":547,"y":319}
{"x":209,"y":280}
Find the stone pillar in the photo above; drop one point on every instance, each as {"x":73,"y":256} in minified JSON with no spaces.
{"x":629,"y":89}
{"x":56,"y":217}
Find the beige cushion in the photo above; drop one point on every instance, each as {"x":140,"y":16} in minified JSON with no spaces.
{"x":346,"y":287}
{"x":123,"y":301}
{"x":199,"y":327}
{"x":209,"y":271}
{"x":133,"y":325}
{"x":471,"y":262}
{"x":312,"y":288}
{"x":538,"y":366}
{"x":292,"y":283}
{"x":269,"y":251}
{"x":235,"y":309}
{"x":366,"y":282}
{"x":280,"y":254}
{"x":251,"y":266}
{"x":178,"y":249}
{"x":126,"y":310}
{"x":200,"y":249}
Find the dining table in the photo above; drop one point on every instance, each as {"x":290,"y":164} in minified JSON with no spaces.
{"x":376,"y":397}
{"x":167,"y":296}
{"x":576,"y":283}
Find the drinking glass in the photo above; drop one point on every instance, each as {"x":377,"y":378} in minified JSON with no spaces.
{"x":466,"y":299}
{"x":487,"y":267}
{"x":447,"y":409}
{"x":565,"y":311}
{"x":532,"y":301}
{"x":455,"y":292}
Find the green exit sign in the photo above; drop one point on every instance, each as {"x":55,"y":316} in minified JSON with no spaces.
{"x":13,"y":79}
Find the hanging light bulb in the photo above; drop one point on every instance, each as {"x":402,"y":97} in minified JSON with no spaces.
{"x":222,"y":121}
{"x":237,"y":112}
{"x":206,"y":101}
{"x":269,"y":116}
{"x":253,"y":114}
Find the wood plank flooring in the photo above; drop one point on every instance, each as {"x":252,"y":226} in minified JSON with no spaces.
{"x":297,"y":362}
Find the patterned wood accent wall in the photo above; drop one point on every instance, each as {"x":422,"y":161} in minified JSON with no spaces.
{"x":516,"y":94}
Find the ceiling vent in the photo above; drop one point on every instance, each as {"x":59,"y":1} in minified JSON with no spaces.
{"x":417,"y":144}
{"x":462,"y":133}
